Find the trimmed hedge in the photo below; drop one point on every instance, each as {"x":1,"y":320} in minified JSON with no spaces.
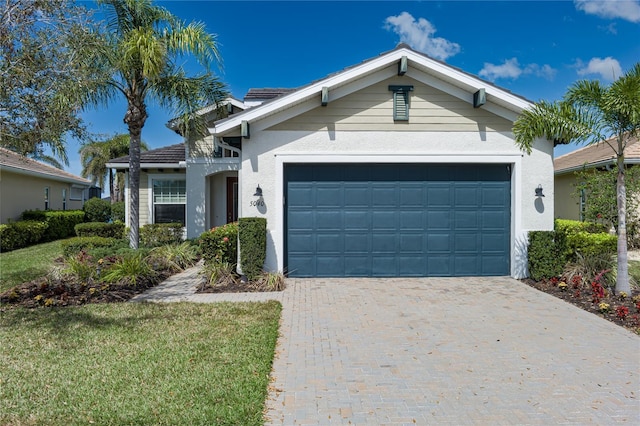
{"x":100,"y":229}
{"x":546,"y":258}
{"x":97,"y":210}
{"x":567,"y":226}
{"x":60,"y":224}
{"x":160,"y":234}
{"x":591,"y":244}
{"x":220,"y":244}
{"x":252,"y":234}
{"x":73,"y":246}
{"x":15,"y":235}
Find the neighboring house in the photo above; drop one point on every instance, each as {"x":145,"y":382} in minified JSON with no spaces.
{"x":27,"y":184}
{"x":399,"y":166}
{"x":568,"y":205}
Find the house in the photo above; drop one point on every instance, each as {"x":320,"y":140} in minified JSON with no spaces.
{"x":568,"y":204}
{"x":27,"y":184}
{"x":398,"y":166}
{"x":162,"y":184}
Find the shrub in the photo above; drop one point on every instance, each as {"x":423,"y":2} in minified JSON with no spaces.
{"x":160,"y":234}
{"x":81,"y":266}
{"x":73,"y":246}
{"x":219,"y":273}
{"x":220,"y":244}
{"x":588,"y":244}
{"x":100,"y":229}
{"x":60,"y":224}
{"x":271,"y":281}
{"x":175,"y":257}
{"x":546,"y":258}
{"x":252,"y":235}
{"x":131,"y":269}
{"x":15,"y":235}
{"x":118,"y":211}
{"x":587,"y":267}
{"x":567,"y":226}
{"x":97,"y":210}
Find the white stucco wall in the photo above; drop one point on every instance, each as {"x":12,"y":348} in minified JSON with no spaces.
{"x":266,"y":153}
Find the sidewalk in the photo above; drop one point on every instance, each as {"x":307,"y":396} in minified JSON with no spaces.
{"x":182,"y":288}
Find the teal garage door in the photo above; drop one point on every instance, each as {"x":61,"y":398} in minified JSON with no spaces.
{"x":393,"y":220}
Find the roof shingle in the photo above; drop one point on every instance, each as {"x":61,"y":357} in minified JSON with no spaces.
{"x":172,"y":154}
{"x":24,"y":164}
{"x":595,"y":155}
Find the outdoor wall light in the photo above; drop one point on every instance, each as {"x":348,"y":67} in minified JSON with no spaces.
{"x":539,"y":191}
{"x":258,"y":192}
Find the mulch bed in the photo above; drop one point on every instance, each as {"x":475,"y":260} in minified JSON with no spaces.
{"x":582,"y":296}
{"x":47,"y":292}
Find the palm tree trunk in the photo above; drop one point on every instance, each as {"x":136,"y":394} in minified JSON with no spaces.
{"x":622,"y":282}
{"x":111,"y":186}
{"x":135,"y":118}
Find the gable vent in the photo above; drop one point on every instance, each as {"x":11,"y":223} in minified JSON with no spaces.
{"x":401,"y":102}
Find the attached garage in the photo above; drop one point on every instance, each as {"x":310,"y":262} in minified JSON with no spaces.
{"x":348,"y":220}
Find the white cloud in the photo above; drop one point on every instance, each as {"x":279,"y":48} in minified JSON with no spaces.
{"x":419,"y":34}
{"x":611,"y":9}
{"x":608,"y":68}
{"x":512,"y":69}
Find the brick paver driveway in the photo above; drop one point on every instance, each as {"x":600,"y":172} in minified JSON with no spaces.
{"x":447,"y":351}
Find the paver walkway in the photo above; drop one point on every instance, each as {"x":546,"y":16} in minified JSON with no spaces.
{"x":438,"y":351}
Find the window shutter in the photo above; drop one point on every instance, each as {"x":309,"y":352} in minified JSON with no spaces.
{"x":401,"y":102}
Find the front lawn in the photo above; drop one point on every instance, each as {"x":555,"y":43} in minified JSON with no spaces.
{"x":137,"y":363}
{"x":26,"y":264}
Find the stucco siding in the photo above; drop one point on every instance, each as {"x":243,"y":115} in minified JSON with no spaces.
{"x":265,"y":154}
{"x":371,"y":109}
{"x":567,"y":206}
{"x":21,"y":192}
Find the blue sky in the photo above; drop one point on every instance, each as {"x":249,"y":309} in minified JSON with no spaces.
{"x":536,"y":49}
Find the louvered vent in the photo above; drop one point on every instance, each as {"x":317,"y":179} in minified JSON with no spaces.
{"x":401,"y":102}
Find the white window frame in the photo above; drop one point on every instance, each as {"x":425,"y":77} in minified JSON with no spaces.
{"x":164,"y":177}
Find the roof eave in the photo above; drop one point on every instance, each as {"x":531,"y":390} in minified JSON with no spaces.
{"x":57,"y":178}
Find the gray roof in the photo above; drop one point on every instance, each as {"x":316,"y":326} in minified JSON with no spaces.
{"x":20,"y":164}
{"x":266,"y":93}
{"x":172,"y":154}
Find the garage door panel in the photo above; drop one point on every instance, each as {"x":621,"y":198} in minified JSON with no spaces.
{"x":412,"y":220}
{"x":384,"y":220}
{"x":357,"y":220}
{"x":326,"y":220}
{"x":329,"y":243}
{"x":329,"y":266}
{"x":301,"y":243}
{"x":357,"y":243}
{"x":329,"y":196}
{"x":384,"y":242}
{"x":397,"y":220}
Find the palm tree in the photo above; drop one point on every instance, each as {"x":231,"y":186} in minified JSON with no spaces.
{"x":95,"y":156}
{"x":138,"y":59}
{"x":592,"y":113}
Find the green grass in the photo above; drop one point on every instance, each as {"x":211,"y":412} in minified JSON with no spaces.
{"x":156,"y":364}
{"x":634,"y":270}
{"x":26,"y":264}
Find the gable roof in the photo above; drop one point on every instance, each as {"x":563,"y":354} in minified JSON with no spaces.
{"x":595,"y":155}
{"x":169,"y":156}
{"x":459,"y":83}
{"x":17,"y":163}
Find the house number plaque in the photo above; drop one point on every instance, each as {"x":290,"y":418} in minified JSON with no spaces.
{"x":256,"y":203}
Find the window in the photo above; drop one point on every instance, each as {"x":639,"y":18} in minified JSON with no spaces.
{"x":401,"y":102}
{"x":64,"y":198}
{"x":76,"y":193}
{"x":169,"y":201}
{"x":583,"y":203}
{"x":46,"y":198}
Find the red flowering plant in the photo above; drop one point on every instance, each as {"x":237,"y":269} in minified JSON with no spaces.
{"x":220,"y":244}
{"x":622,"y":312}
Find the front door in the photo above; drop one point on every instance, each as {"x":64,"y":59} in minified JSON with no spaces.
{"x":232,"y":199}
